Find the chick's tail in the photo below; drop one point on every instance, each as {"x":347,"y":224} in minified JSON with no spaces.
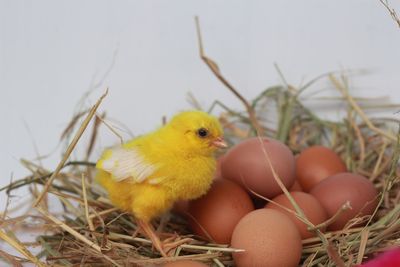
{"x":104,"y":178}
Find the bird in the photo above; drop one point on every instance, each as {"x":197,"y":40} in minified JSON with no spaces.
{"x":148,"y":174}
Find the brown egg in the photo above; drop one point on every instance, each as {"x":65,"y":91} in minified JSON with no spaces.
{"x":218,"y":173}
{"x":269,"y":238}
{"x":247,"y":162}
{"x":311,"y":207}
{"x":216,"y":214}
{"x":335,"y":190}
{"x":185,"y":263}
{"x":315,"y":164}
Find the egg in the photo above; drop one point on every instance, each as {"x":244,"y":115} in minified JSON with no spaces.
{"x":311,"y":207}
{"x":218,"y":173}
{"x":269,"y":238}
{"x":215,"y":215}
{"x":334,"y":191}
{"x":247,"y":164}
{"x":185,"y":263}
{"x":315,"y":164}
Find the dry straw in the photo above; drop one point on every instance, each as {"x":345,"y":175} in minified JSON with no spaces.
{"x":91,"y":232}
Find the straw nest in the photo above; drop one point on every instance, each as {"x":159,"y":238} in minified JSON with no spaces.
{"x":89,"y":231}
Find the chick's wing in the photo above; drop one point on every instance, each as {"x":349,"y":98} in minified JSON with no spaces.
{"x":126,"y":164}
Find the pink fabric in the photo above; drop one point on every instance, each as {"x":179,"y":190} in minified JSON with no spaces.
{"x":390,"y":258}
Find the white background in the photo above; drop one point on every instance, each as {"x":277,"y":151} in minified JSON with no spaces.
{"x":52,"y":52}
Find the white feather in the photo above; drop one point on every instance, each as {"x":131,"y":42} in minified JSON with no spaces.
{"x":128,"y":164}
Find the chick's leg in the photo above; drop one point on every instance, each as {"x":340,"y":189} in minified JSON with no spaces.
{"x":149,"y":231}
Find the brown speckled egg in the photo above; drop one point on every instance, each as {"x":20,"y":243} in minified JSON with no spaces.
{"x":315,"y":164}
{"x":311,"y":207}
{"x":269,"y":238}
{"x":247,"y":162}
{"x":215,"y":215}
{"x":335,"y":190}
{"x":185,"y":263}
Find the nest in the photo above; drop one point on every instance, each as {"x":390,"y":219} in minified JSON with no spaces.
{"x":91,"y":232}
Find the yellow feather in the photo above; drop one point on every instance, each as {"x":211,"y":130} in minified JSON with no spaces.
{"x":181,"y":161}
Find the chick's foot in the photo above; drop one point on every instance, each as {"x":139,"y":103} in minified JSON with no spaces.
{"x":172,"y":243}
{"x":150,"y":232}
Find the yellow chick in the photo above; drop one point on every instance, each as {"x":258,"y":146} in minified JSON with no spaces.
{"x":148,"y":174}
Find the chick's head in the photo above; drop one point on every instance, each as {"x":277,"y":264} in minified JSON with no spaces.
{"x":199,"y":132}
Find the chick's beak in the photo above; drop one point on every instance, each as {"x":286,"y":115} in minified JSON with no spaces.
{"x":219,"y":142}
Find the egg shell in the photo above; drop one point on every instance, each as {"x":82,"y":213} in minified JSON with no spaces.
{"x":185,"y":263}
{"x":315,"y":164}
{"x":335,"y":190}
{"x":311,"y":207}
{"x":219,"y":211}
{"x":247,"y":162}
{"x":269,"y":238}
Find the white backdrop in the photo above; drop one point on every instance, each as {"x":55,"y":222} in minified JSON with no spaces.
{"x":52,"y":52}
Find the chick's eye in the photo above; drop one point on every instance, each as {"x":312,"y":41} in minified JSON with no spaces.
{"x":202,"y":132}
